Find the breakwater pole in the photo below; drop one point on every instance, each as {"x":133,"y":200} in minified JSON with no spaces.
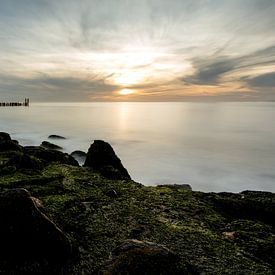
{"x":26,"y":103}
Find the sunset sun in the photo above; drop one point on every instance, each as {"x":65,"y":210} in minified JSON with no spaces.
{"x":126,"y":92}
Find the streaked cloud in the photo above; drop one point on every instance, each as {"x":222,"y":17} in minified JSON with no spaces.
{"x":265,"y":80}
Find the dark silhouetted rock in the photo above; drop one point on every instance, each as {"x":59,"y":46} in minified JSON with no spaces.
{"x":7,"y":170}
{"x":48,"y":145}
{"x":9,"y":145}
{"x":15,"y":141}
{"x":6,"y":144}
{"x":137,"y":257}
{"x":24,"y":161}
{"x":254,"y":205}
{"x":56,"y":137}
{"x":102,"y":157}
{"x":4,"y":136}
{"x":26,"y":234}
{"x":49,"y":156}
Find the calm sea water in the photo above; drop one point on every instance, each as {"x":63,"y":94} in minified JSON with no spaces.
{"x":212,"y":146}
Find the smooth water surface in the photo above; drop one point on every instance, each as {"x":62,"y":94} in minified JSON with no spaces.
{"x":212,"y":146}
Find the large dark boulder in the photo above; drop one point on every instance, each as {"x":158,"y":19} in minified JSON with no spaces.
{"x":137,"y":257}
{"x":49,"y":156}
{"x":102,"y":157}
{"x":26,"y":234}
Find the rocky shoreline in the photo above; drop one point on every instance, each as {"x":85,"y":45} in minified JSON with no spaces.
{"x":58,"y":217}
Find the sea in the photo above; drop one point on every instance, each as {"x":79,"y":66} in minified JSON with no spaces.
{"x":214,"y":147}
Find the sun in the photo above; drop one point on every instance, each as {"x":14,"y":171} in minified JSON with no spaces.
{"x":126,"y":92}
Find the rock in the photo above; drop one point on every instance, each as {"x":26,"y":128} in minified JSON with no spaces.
{"x":56,"y":137}
{"x":26,"y":234}
{"x":253,"y":205}
{"x":137,"y":257}
{"x":78,"y":153}
{"x":48,"y":145}
{"x":6,"y":144}
{"x":102,"y":157}
{"x":9,"y":145}
{"x":24,"y":161}
{"x":49,"y":156}
{"x":7,"y":170}
{"x":4,"y":136}
{"x":15,"y":141}
{"x":80,"y":156}
{"x":229,"y":235}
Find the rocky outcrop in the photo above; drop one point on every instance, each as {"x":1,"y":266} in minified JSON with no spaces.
{"x":49,"y":156}
{"x":24,"y":161}
{"x":26,"y":234}
{"x":102,"y":157}
{"x":6,"y":144}
{"x":137,"y":257}
{"x":4,"y":136}
{"x":49,"y":145}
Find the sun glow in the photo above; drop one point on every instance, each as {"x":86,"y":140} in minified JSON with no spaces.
{"x":126,"y":92}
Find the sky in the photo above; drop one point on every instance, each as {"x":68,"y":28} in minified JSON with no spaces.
{"x":137,"y":50}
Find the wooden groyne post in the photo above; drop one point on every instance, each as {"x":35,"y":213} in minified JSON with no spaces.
{"x":26,"y":103}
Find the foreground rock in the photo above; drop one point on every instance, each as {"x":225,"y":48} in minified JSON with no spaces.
{"x":26,"y":234}
{"x":102,"y":157}
{"x":51,"y":146}
{"x":136,"y":257}
{"x":56,"y":137}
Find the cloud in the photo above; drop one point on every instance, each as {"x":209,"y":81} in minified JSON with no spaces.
{"x":264,"y":80}
{"x":211,"y":70}
{"x":49,"y":88}
{"x":210,"y":73}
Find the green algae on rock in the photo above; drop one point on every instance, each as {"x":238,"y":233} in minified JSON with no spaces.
{"x":208,"y":233}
